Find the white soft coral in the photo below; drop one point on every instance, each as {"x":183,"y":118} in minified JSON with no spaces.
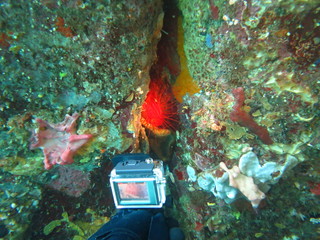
{"x":245,"y":185}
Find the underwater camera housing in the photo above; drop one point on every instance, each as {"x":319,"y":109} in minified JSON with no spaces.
{"x":137,"y":181}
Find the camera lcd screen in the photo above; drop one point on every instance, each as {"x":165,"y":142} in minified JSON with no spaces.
{"x":133,"y":191}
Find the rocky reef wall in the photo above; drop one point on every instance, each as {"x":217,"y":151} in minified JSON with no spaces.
{"x":86,"y":59}
{"x":256,"y":64}
{"x":242,"y":139}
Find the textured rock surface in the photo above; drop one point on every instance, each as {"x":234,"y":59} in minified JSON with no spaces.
{"x":270,"y":50}
{"x":60,"y":57}
{"x":249,"y":66}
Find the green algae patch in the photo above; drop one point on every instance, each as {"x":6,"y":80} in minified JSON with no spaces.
{"x":80,"y":229}
{"x":51,"y":226}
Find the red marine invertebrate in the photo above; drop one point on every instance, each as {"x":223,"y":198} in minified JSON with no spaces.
{"x":214,"y":10}
{"x":303,"y":41}
{"x":61,"y":27}
{"x":4,"y":40}
{"x":315,"y":188}
{"x":244,"y":119}
{"x":159,"y":111}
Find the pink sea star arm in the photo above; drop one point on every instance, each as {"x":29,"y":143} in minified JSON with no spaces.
{"x":58,"y":142}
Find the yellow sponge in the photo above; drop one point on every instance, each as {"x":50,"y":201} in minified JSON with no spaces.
{"x":184,"y":83}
